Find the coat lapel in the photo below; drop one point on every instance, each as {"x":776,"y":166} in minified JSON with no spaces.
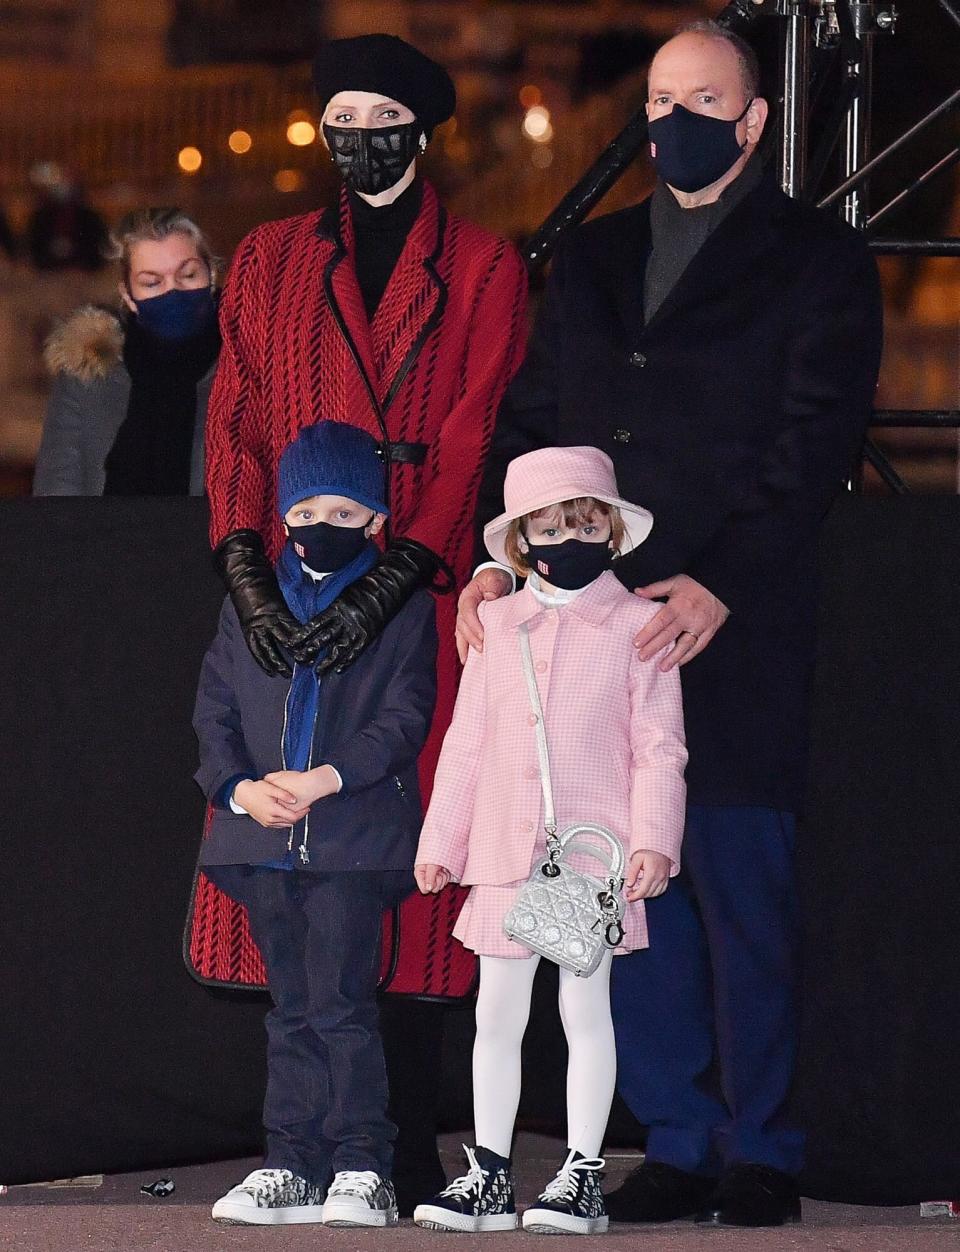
{"x":730,"y":251}
{"x":410,"y":308}
{"x":413,"y":301}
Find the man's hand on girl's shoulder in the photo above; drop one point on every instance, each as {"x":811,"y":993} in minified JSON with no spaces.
{"x":487,"y":584}
{"x":431,"y":878}
{"x":648,"y":875}
{"x":690,"y":618}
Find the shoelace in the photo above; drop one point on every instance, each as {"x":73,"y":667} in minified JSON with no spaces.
{"x":355,"y":1182}
{"x":470,"y":1183}
{"x":564,"y":1186}
{"x":267,"y":1182}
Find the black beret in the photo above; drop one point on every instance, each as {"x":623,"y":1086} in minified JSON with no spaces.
{"x":387,"y":66}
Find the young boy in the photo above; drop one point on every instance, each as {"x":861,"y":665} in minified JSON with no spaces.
{"x":316,"y":818}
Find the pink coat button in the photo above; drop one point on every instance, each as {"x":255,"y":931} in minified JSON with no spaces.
{"x":532,"y":719}
{"x":532,"y":772}
{"x":541,"y":667}
{"x":526,"y":827}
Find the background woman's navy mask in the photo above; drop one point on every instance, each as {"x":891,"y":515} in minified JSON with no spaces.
{"x":325,"y":547}
{"x":178,"y":313}
{"x":571,"y":564}
{"x":373,"y":159}
{"x":692,"y":150}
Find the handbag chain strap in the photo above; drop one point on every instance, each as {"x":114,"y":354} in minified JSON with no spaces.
{"x":549,"y":816}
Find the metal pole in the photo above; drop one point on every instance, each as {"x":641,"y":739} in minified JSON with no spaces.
{"x":944,"y":163}
{"x":857,"y":130}
{"x":915,"y":247}
{"x":795,"y":76}
{"x":943,"y":107}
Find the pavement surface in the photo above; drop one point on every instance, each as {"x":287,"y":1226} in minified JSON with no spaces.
{"x":113,"y":1216}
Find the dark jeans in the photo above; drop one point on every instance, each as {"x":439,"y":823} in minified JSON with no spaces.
{"x":706,"y":1017}
{"x":319,"y":935}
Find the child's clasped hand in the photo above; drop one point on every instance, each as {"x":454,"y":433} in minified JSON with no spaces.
{"x":283,"y":797}
{"x":648,"y":875}
{"x":431,"y":878}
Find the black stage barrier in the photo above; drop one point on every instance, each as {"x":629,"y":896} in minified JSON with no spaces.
{"x":112,"y":1058}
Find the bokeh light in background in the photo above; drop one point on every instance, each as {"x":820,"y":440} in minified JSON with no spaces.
{"x":537,"y":125}
{"x":239,"y":142}
{"x":301,"y":134}
{"x":288,"y":180}
{"x":530,"y":95}
{"x":190,"y":159}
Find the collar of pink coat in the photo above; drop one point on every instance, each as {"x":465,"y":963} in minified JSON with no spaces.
{"x":592,"y":606}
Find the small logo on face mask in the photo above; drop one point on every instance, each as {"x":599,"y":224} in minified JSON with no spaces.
{"x":300,"y":550}
{"x":543,"y":567}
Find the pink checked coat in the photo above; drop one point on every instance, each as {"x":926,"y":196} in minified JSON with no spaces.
{"x":614,"y":729}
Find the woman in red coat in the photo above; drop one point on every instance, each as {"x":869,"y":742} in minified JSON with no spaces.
{"x":389,"y":313}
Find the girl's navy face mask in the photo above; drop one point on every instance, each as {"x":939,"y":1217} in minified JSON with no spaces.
{"x":692,"y":150}
{"x":571,"y":564}
{"x":325,"y":547}
{"x":178,"y":313}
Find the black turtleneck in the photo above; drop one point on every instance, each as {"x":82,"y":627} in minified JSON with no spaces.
{"x":379,"y":235}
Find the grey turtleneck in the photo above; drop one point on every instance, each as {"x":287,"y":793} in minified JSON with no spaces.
{"x":678,"y":234}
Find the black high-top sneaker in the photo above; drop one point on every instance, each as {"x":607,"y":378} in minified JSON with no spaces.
{"x":481,"y":1199}
{"x":572,"y":1204}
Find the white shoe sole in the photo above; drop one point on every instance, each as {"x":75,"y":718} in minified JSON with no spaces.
{"x":347,"y":1214}
{"x":545,"y":1222}
{"x":433,"y":1217}
{"x":233,"y":1213}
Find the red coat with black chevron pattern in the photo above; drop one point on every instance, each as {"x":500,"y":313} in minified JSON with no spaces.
{"x":431,"y":368}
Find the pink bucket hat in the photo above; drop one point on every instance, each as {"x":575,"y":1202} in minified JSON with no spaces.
{"x":550,"y":476}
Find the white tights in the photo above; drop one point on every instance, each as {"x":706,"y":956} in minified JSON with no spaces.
{"x":503,"y":1008}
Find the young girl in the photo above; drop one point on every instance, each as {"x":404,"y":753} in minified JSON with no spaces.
{"x":614,"y":730}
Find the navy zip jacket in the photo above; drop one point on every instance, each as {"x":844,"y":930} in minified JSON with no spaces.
{"x":371,"y":723}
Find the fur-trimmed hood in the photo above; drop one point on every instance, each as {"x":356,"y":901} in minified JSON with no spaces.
{"x":88,"y":344}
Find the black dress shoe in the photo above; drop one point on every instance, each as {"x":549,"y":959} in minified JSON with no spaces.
{"x":752,"y":1195}
{"x":659,"y":1193}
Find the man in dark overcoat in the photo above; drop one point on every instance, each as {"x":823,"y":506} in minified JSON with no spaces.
{"x":721,"y":342}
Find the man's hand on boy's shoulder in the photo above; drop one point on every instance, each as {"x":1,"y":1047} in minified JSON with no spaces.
{"x":306,"y":786}
{"x":269,"y":804}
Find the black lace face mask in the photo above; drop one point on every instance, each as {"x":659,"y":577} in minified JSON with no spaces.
{"x":373,"y":159}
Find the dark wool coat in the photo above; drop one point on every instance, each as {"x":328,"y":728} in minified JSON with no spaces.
{"x":429,"y":372}
{"x":734,"y":416}
{"x":372,"y":721}
{"x":88,"y":404}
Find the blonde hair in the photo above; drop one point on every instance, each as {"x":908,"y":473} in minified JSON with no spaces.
{"x":153,"y":226}
{"x":574,"y":513}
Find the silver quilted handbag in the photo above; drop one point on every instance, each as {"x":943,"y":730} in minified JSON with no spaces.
{"x":570,"y":917}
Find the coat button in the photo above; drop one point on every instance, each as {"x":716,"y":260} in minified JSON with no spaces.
{"x":526,"y":827}
{"x":541,"y":667}
{"x":532,"y":772}
{"x":532,"y":719}
{"x":638,"y":359}
{"x":621,"y":435}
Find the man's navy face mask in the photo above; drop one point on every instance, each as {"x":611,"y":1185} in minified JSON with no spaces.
{"x":325,"y":547}
{"x":571,"y":564}
{"x":178,"y":313}
{"x":373,"y":159}
{"x":692,"y":150}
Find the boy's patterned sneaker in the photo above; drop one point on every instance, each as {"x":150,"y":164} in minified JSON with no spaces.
{"x":360,"y":1198}
{"x":481,"y":1199}
{"x":270,"y":1197}
{"x":572,"y":1204}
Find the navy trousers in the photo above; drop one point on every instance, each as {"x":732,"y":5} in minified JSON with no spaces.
{"x":706,"y":1017}
{"x":319,"y":934}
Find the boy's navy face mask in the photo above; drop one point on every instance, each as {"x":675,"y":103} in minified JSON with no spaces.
{"x":325,"y":547}
{"x":692,"y":150}
{"x":571,"y":564}
{"x":178,"y":313}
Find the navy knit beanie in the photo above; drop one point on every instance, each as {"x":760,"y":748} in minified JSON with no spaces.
{"x":389,"y":67}
{"x":332,"y":459}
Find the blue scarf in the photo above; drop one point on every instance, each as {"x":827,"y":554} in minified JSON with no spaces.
{"x":306,"y":598}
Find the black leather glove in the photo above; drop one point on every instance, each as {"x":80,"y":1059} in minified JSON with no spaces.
{"x":362,"y":610}
{"x":268,"y":625}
